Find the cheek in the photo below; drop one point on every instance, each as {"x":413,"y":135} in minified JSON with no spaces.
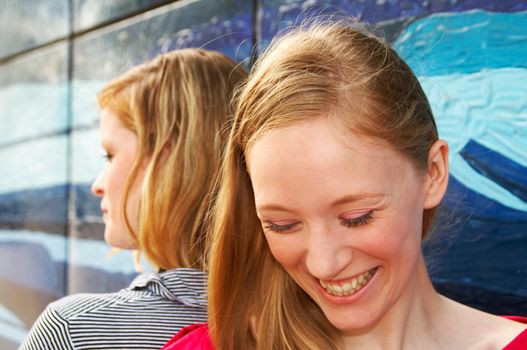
{"x":132,"y":206}
{"x":115,"y":191}
{"x":286,"y":249}
{"x":115,"y":178}
{"x":395,"y":238}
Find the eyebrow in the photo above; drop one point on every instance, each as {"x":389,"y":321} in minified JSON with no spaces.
{"x":342,"y":200}
{"x":105,"y":144}
{"x":271,"y":207}
{"x":355,"y":197}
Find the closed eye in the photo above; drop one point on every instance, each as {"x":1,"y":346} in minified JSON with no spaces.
{"x":106,"y":155}
{"x":358,"y":221}
{"x":279,"y":228}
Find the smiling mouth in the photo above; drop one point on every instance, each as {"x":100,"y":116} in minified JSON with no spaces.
{"x":349,"y":287}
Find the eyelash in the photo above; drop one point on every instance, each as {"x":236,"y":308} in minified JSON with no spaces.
{"x":358,"y":221}
{"x":355,"y":222}
{"x":279,"y":228}
{"x":107,"y":156}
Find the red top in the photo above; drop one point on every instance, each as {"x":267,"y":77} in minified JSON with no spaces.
{"x":196,"y":337}
{"x":193,"y":337}
{"x":520,"y":342}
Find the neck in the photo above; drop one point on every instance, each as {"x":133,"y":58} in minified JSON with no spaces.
{"x":408,"y":322}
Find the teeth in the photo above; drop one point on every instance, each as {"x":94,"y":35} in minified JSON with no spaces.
{"x":349,"y":287}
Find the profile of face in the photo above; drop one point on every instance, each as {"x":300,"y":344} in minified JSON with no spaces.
{"x":342,"y":214}
{"x":120,"y":145}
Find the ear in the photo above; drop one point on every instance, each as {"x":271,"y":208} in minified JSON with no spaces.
{"x":436,"y":179}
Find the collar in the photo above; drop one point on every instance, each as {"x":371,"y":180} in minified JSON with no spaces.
{"x":186,"y":285}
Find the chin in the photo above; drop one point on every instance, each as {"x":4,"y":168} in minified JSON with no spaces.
{"x":118,"y":240}
{"x":351,"y":327}
{"x":122,"y":245}
{"x":352,"y":322}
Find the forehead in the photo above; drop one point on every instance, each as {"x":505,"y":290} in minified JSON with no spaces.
{"x":324,"y":138}
{"x":114,"y":134}
{"x":320,"y":156}
{"x":109,"y":121}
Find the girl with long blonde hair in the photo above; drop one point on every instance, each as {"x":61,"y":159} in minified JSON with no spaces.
{"x":162,"y":130}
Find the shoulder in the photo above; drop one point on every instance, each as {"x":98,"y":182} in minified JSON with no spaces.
{"x":77,"y":304}
{"x":50,"y":329}
{"x":109,"y":319}
{"x":193,"y":337}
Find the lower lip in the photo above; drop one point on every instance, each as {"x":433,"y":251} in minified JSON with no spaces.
{"x":348,"y":299}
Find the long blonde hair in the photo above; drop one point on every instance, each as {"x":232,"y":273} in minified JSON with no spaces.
{"x":177,"y":104}
{"x":332,"y":70}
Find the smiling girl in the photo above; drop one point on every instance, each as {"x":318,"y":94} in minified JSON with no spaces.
{"x":333,"y":173}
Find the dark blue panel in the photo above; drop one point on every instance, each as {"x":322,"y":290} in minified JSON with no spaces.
{"x":89,"y":13}
{"x":477,"y":254}
{"x":224,"y":26}
{"x":479,"y":242}
{"x":495,"y":166}
{"x":278,"y":14}
{"x":42,"y":210}
{"x":45,"y":210}
{"x":29,"y":23}
{"x":483,"y":299}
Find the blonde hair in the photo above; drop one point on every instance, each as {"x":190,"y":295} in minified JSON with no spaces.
{"x":177,"y":104}
{"x":332,"y":70}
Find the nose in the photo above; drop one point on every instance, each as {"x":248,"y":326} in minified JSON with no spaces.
{"x":327,"y":254}
{"x":97,"y":187}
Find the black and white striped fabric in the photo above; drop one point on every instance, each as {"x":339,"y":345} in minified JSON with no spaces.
{"x":143,"y":316}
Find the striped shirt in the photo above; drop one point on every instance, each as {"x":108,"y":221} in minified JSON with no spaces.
{"x":143,"y":316}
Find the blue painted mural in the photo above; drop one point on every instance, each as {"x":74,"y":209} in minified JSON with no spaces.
{"x":391,"y":16}
{"x":472,"y":67}
{"x":468,"y":54}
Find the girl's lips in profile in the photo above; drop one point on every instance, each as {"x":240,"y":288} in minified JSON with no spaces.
{"x":344,"y":289}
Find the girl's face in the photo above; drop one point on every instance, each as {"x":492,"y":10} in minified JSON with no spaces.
{"x":120,"y":145}
{"x":343,"y":214}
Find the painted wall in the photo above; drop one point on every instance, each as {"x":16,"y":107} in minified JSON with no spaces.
{"x":54,"y":56}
